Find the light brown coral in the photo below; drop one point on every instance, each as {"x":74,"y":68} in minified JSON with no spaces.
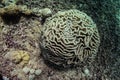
{"x":69,"y":37}
{"x":18,"y":57}
{"x":15,"y":9}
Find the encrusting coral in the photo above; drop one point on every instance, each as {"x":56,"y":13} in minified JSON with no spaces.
{"x":12,"y":9}
{"x":15,"y":9}
{"x":18,"y":57}
{"x":69,"y":37}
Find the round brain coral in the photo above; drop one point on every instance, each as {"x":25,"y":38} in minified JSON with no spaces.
{"x":68,"y":38}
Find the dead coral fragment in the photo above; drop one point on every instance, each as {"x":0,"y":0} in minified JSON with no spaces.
{"x":19,"y":57}
{"x":42,"y":12}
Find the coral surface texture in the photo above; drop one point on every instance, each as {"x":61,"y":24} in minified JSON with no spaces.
{"x":71,"y":37}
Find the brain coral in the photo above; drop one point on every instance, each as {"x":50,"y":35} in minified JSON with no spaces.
{"x":69,"y":37}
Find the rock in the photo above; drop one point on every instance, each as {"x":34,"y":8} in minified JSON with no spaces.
{"x":87,"y":72}
{"x":42,"y":12}
{"x":31,"y":77}
{"x":5,"y":78}
{"x":38,"y":72}
{"x":46,"y":12}
{"x":26,"y":70}
{"x":32,"y":71}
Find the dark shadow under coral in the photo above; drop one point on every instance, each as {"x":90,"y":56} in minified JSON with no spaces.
{"x":11,"y":19}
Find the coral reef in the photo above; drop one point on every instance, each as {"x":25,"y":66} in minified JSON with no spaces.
{"x":8,"y":2}
{"x":6,"y":66}
{"x":69,"y":38}
{"x":41,"y":12}
{"x":32,"y":73}
{"x":13,"y":9}
{"x":19,"y":37}
{"x":54,"y":5}
{"x":25,"y":33}
{"x":18,"y":57}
